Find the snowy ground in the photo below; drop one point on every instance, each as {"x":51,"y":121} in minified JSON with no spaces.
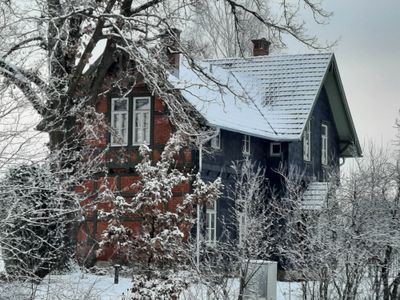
{"x":83,"y":286}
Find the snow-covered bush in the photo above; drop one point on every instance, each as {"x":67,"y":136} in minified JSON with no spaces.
{"x":35,"y":220}
{"x":159,"y":250}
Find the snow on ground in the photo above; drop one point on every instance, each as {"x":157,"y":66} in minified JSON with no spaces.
{"x":78,"y":285}
{"x":289,"y":291}
{"x":72,"y":286}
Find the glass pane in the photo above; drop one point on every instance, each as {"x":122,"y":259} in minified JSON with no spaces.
{"x":145,"y":120}
{"x":138,"y":135}
{"x":138,"y":121}
{"x":116,"y":121}
{"x":120,"y":105}
{"x":142,"y":103}
{"x":124,"y":121}
{"x":276,"y":148}
{"x":324,"y":130}
{"x":120,"y":122}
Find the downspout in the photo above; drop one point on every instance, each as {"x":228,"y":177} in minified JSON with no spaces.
{"x":200,"y":145}
{"x":198,"y":212}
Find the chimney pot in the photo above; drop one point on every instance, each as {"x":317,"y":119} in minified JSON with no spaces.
{"x":260,"y":47}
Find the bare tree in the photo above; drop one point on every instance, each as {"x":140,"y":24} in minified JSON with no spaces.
{"x":225,"y":28}
{"x":351,"y":247}
{"x":50,"y":43}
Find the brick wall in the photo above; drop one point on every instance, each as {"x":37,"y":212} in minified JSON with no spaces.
{"x":121,"y":162}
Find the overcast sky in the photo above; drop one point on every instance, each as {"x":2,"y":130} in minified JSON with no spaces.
{"x":368,"y":56}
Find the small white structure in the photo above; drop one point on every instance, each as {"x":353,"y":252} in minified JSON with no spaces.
{"x":316,"y":196}
{"x":262,"y":280}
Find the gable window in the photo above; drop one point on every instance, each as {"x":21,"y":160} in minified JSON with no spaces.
{"x":324,"y":144}
{"x":211,"y":223}
{"x":246,"y":144}
{"x":216,"y":141}
{"x":119,"y":121}
{"x":275,"y":149}
{"x":141,"y":120}
{"x":307,"y":142}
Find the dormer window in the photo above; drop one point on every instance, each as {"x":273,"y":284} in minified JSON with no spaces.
{"x":216,"y":141}
{"x":119,"y":121}
{"x":307,"y":142}
{"x":324,"y":144}
{"x":130,"y":121}
{"x":275,"y":149}
{"x":246,"y":144}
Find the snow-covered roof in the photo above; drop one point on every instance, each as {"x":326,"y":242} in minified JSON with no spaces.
{"x":269,"y":97}
{"x":315,"y":197}
{"x":277,"y":92}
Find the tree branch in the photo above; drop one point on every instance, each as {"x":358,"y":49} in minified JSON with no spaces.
{"x":24,"y":42}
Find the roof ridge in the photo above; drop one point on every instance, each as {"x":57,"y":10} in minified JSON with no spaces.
{"x":261,"y":57}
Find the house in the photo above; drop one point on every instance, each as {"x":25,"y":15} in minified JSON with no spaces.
{"x":278,"y":110}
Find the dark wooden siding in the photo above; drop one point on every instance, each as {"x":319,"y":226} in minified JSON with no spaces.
{"x":321,"y":114}
{"x":218,"y":163}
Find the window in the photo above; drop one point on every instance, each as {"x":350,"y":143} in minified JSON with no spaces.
{"x":324,"y":144}
{"x":211,"y":223}
{"x":246,"y":144}
{"x":242,"y":227}
{"x":275,"y":149}
{"x":307,"y":142}
{"x":216,"y":141}
{"x":119,"y":121}
{"x":141,"y":121}
{"x":122,"y":121}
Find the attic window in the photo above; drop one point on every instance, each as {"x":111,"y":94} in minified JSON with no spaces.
{"x":307,"y":142}
{"x":119,"y":121}
{"x":141,"y":120}
{"x":275,"y":149}
{"x":130,"y":121}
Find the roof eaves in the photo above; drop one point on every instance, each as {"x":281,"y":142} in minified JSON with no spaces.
{"x":346,"y":107}
{"x":268,"y":136}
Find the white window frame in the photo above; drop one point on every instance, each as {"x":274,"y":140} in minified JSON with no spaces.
{"x":124,"y":138}
{"x":271,"y":149}
{"x":216,"y":141}
{"x":307,"y":142}
{"x":246,"y":144}
{"x":324,"y":144}
{"x":136,"y":111}
{"x":211,"y":224}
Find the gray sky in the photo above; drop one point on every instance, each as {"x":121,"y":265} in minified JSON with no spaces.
{"x":368,"y":56}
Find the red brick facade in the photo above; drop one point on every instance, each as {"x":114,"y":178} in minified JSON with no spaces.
{"x":120,"y":162}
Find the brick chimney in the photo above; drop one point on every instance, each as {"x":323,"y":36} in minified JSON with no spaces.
{"x":170,"y":41}
{"x":260,"y":47}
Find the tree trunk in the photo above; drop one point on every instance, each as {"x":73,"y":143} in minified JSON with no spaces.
{"x":385,"y":273}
